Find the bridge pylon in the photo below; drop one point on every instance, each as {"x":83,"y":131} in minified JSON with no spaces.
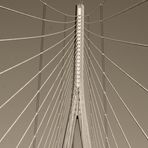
{"x":78,"y":108}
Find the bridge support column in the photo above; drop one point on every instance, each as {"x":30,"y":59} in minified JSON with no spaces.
{"x":101,"y":7}
{"x":78,"y":109}
{"x":82,"y":105}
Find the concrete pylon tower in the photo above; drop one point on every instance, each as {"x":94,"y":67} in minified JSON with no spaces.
{"x":78,"y":108}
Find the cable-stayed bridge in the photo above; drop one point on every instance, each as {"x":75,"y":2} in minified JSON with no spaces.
{"x":70,"y":87}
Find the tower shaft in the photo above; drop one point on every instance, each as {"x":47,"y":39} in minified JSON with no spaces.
{"x":78,"y":109}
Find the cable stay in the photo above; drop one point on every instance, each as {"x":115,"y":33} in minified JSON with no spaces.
{"x":119,"y":13}
{"x":2,"y":138}
{"x":119,"y":124}
{"x":125,"y":10}
{"x":97,"y":139}
{"x":51,"y":125}
{"x":26,"y":84}
{"x":92,"y":92}
{"x":121,"y":99}
{"x":88,"y":79}
{"x":65,"y":95}
{"x":69,"y":111}
{"x":45,"y":129}
{"x":51,"y":7}
{"x":35,"y":17}
{"x":99,"y":96}
{"x":117,"y":40}
{"x":35,"y":56}
{"x":64,"y":112}
{"x":94,"y":129}
{"x":57,"y":140}
{"x":112,"y":133}
{"x":51,"y":100}
{"x":94,"y":96}
{"x":118,"y":67}
{"x":36,"y":37}
{"x":49,"y":108}
{"x":127,"y":141}
{"x":101,"y":134}
{"x":45,"y":99}
{"x":62,"y":118}
{"x":95,"y":114}
{"x":54,"y":129}
{"x":127,"y":108}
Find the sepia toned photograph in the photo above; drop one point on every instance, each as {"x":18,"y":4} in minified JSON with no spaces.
{"x":73,"y":74}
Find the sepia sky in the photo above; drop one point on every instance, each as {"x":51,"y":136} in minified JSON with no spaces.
{"x":131,"y":26}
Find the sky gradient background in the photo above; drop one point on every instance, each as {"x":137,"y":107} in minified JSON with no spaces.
{"x":131,"y":26}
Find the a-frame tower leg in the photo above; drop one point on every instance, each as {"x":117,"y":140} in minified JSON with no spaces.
{"x":78,"y":108}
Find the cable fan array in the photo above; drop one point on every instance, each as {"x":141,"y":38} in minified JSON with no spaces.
{"x":51,"y":124}
{"x":100,"y":99}
{"x":49,"y":121}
